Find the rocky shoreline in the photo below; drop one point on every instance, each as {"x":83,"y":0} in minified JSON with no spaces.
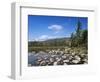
{"x":57,"y":57}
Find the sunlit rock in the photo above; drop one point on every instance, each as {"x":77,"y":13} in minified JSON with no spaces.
{"x":55,"y":63}
{"x":73,"y":53}
{"x":64,"y":57}
{"x":77,"y":58}
{"x":75,"y":61}
{"x":65,"y":61}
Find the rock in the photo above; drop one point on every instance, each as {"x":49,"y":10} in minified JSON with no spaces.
{"x":43,"y":63}
{"x":50,"y":63}
{"x":65,"y":61}
{"x":85,"y":60}
{"x":39,"y":59}
{"x":52,"y":56}
{"x":66,"y":49}
{"x":60,"y":63}
{"x":50,"y":52}
{"x":70,"y":57}
{"x":45,"y":58}
{"x":67,"y":56}
{"x":77,"y":58}
{"x":73,"y":53}
{"x":82,"y":55}
{"x":55,"y":63}
{"x":69,"y":49}
{"x":56,"y":58}
{"x":64,"y":57}
{"x":51,"y":59}
{"x":61,"y":52}
{"x":58,"y":49}
{"x":59,"y":59}
{"x":75,"y":61}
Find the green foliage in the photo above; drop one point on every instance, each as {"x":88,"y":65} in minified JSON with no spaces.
{"x":79,"y":38}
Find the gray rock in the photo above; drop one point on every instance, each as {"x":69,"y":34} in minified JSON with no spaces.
{"x":64,"y":57}
{"x":39,"y":59}
{"x":43,"y":63}
{"x":83,"y":55}
{"x":52,"y":56}
{"x":65,"y":61}
{"x":56,"y":58}
{"x":75,"y":61}
{"x":77,"y":58}
{"x":59,"y":59}
{"x":70,"y":57}
{"x":50,"y":63}
{"x":85,"y":60}
{"x":45,"y":58}
{"x":55,"y":63}
{"x":73,"y":53}
{"x":51,"y":59}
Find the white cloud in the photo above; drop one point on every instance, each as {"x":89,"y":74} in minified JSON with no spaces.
{"x":56,"y":28}
{"x":44,"y":37}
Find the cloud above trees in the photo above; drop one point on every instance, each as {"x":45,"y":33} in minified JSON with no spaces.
{"x":56,"y":28}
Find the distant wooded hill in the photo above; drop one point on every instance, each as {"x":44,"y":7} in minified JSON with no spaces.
{"x":51,"y":42}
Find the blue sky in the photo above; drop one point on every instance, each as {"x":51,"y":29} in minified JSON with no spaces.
{"x":48,"y":27}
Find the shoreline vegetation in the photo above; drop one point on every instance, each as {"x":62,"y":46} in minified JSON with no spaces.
{"x":71,"y":50}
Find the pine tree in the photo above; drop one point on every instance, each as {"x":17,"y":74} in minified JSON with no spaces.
{"x":78,"y":29}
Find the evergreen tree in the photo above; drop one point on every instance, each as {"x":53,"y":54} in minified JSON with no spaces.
{"x":78,"y":29}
